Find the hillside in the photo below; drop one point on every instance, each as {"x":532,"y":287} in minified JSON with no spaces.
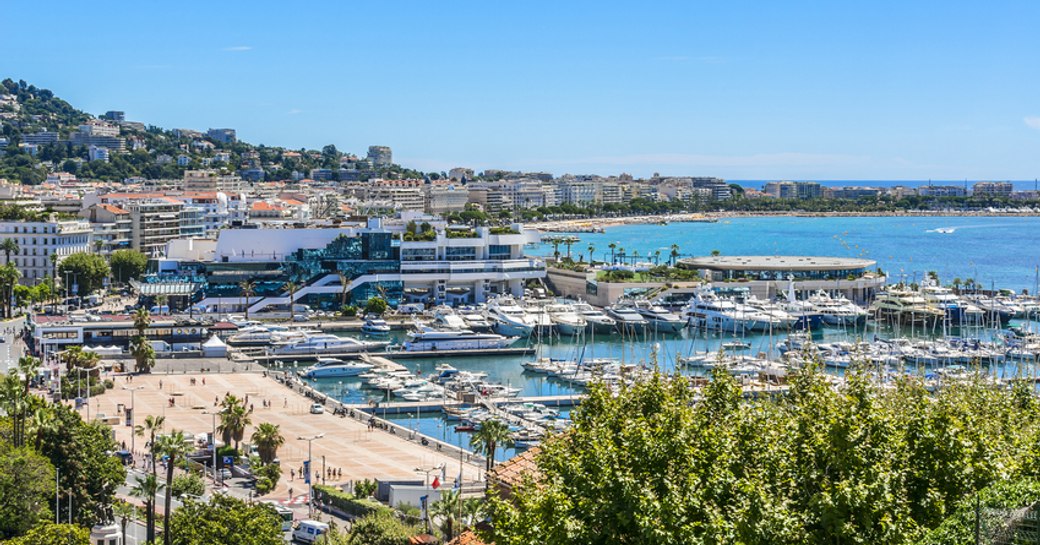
{"x":151,"y":152}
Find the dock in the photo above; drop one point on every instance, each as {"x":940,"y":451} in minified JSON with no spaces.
{"x":411,"y":407}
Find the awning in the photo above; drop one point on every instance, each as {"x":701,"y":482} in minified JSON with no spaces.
{"x":165,"y":288}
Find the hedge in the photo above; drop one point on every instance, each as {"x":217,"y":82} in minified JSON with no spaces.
{"x":347,"y":503}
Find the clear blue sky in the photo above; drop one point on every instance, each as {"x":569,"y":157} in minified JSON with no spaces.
{"x":742,"y":90}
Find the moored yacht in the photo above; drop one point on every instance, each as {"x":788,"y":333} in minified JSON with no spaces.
{"x":566,"y":319}
{"x":627,"y":318}
{"x":595,"y":320}
{"x":333,"y":367}
{"x":838,"y":311}
{"x":425,"y":338}
{"x":905,"y":306}
{"x":657,"y":318}
{"x":510,"y":318}
{"x":325,"y":343}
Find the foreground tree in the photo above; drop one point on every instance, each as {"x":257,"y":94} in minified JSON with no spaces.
{"x":53,"y":534}
{"x":857,"y":463}
{"x":227,"y":521}
{"x":26,"y":490}
{"x":146,"y":490}
{"x":381,"y":527}
{"x":268,"y":437}
{"x":173,"y":447}
{"x":489,"y":436}
{"x":235,"y":417}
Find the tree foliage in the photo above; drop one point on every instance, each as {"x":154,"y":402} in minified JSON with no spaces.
{"x":380,"y":528}
{"x":225,"y":520}
{"x":86,"y":271}
{"x":53,"y":534}
{"x":857,"y":463}
{"x":26,"y":489}
{"x":127,"y":264}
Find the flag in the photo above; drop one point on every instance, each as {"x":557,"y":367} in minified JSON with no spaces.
{"x":307,"y":471}
{"x":436,"y":482}
{"x":422,"y":505}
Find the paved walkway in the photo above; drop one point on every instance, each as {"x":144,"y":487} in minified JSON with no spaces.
{"x":347,"y":444}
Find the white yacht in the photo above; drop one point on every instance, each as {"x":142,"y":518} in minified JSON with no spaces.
{"x":627,"y":318}
{"x":595,"y":320}
{"x":709,"y":311}
{"x":325,"y":343}
{"x":425,"y":338}
{"x":510,"y":318}
{"x":658,"y":319}
{"x":445,"y":317}
{"x":837,"y":311}
{"x":375,"y":326}
{"x":474,"y":318}
{"x":568,"y":322}
{"x":957,"y":309}
{"x":257,"y":335}
{"x":333,"y":367}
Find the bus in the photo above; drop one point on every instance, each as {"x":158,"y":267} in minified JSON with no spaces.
{"x":284,"y":513}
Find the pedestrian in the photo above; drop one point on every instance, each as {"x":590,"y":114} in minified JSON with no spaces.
{"x":292,"y":474}
{"x":160,"y":384}
{"x":290,"y":492}
{"x":339,"y":472}
{"x":203,"y":378}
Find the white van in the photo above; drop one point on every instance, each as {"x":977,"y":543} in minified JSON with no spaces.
{"x":309,"y":531}
{"x":284,"y":513}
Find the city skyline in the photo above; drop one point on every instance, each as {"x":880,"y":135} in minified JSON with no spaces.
{"x":793,"y":91}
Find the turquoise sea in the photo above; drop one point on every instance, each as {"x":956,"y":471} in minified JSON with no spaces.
{"x":995,"y":251}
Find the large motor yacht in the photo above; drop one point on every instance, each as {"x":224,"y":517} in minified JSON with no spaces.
{"x":425,"y":338}
{"x":325,"y":343}
{"x":510,"y":318}
{"x":658,"y":319}
{"x":333,"y":367}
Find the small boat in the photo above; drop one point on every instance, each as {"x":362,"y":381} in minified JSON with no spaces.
{"x":732,"y":346}
{"x":465,"y":427}
{"x":375,"y":326}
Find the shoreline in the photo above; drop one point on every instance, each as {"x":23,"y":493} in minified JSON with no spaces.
{"x":589,"y":225}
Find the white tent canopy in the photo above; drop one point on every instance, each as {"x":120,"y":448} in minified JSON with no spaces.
{"x":214,"y":348}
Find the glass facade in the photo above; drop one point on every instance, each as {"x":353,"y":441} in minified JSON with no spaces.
{"x":464,"y":253}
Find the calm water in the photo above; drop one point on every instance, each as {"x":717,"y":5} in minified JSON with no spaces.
{"x":994,"y":251}
{"x":1001,"y":251}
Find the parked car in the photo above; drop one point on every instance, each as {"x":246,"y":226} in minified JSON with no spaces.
{"x":317,"y":408}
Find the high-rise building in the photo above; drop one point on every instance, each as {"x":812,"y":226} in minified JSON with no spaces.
{"x":211,"y":180}
{"x":43,"y":244}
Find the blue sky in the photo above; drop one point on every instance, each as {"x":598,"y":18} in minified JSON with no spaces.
{"x":742,"y":90}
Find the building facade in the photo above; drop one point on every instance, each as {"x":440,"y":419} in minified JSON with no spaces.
{"x":42,"y":245}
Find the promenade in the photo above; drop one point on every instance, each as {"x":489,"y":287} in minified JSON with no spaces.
{"x":348,"y":445}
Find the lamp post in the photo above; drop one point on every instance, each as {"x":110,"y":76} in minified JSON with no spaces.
{"x":133,"y":415}
{"x":213,"y":446}
{"x":310,"y":473}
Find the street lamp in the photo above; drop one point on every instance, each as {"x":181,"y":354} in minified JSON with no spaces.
{"x":133,"y":415}
{"x":426,"y":507}
{"x":310,"y":471}
{"x":213,"y":445}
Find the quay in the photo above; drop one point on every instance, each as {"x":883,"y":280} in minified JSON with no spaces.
{"x":411,"y":407}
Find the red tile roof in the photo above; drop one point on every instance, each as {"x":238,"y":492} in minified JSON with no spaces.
{"x":511,"y":471}
{"x":112,"y":208}
{"x":469,"y":537}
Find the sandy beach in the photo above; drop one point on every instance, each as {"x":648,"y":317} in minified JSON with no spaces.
{"x":348,"y":444}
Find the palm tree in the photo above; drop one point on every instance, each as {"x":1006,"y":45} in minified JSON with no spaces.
{"x":144,"y":354}
{"x":123,"y":512}
{"x":267,"y":437}
{"x":473,"y":510}
{"x":592,"y":253}
{"x":290,"y":287}
{"x":9,"y":276}
{"x":344,"y":283}
{"x":174,"y":448}
{"x":234,"y":419}
{"x":568,"y":241}
{"x":446,"y":510}
{"x":612,"y":246}
{"x":146,"y":490}
{"x":674,"y":254}
{"x":9,"y":246}
{"x":41,"y":423}
{"x":248,"y":287}
{"x":152,"y":425}
{"x":486,"y":440}
{"x":142,"y":319}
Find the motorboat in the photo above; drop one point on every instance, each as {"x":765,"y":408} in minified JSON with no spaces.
{"x":426,"y":338}
{"x":375,"y":326}
{"x":658,"y":319}
{"x":709,"y":311}
{"x":333,"y":367}
{"x":568,"y":322}
{"x":326,"y":343}
{"x":475,"y":319}
{"x":838,"y":311}
{"x":445,"y":317}
{"x":627,"y":317}
{"x":957,"y":310}
{"x":259,"y":335}
{"x":905,"y":306}
{"x":510,"y":318}
{"x":595,"y":320}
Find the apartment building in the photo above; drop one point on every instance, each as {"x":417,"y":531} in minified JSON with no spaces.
{"x":110,"y":225}
{"x":441,"y":199}
{"x":153,"y":223}
{"x":43,"y":244}
{"x":993,"y":189}
{"x":211,"y":180}
{"x":793,"y":190}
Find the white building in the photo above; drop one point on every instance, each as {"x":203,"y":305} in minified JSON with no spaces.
{"x":43,"y":244}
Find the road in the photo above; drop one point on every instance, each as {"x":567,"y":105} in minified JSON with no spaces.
{"x":12,"y":347}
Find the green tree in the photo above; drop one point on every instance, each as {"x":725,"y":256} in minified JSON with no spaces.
{"x":376,"y":305}
{"x":26,"y":489}
{"x":153,"y":424}
{"x":188,"y":484}
{"x":9,"y":276}
{"x":124,"y":513}
{"x":146,"y":490}
{"x":9,"y":246}
{"x":381,"y":527}
{"x":53,"y":534}
{"x":489,"y":436}
{"x":172,"y":447}
{"x":247,"y":287}
{"x":127,"y":265}
{"x":268,"y":437}
{"x":140,"y":348}
{"x":225,"y":520}
{"x":235,"y":417}
{"x":445,"y":512}
{"x":81,"y":453}
{"x":87,"y":271}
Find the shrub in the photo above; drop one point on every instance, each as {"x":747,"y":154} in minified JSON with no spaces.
{"x":348,"y":503}
{"x":349,"y":311}
{"x":188,"y":484}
